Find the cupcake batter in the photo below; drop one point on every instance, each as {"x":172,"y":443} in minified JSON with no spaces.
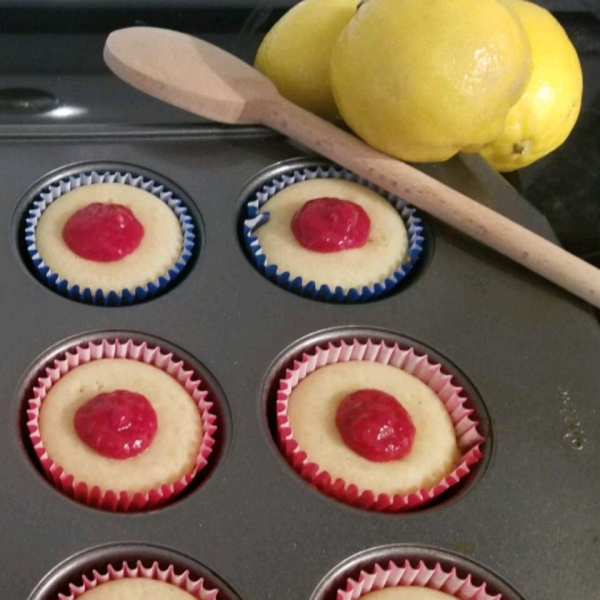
{"x":407,"y":593}
{"x":381,"y":255}
{"x":312,"y":410}
{"x":136,"y":588}
{"x":169,"y":456}
{"x":157,"y":251}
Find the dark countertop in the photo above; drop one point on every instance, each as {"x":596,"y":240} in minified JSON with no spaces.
{"x":565,"y":186}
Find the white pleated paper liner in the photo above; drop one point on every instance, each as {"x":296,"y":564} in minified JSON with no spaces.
{"x":183,"y":581}
{"x":415,"y":575}
{"x":254,"y":220}
{"x":96,"y":296}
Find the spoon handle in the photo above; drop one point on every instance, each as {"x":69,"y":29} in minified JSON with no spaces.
{"x":439,"y":200}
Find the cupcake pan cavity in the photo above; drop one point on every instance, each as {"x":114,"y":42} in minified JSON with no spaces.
{"x":94,"y":563}
{"x":467,"y":410}
{"x":201,"y":386}
{"x":253,"y":220}
{"x":52,"y":187}
{"x":386,"y":566}
{"x":528,"y":349}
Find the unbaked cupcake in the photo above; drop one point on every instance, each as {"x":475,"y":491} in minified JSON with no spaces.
{"x":109,"y":238}
{"x":375,"y":425}
{"x":326,"y":233}
{"x":124,"y":582}
{"x":120,"y":425}
{"x":414,"y":581}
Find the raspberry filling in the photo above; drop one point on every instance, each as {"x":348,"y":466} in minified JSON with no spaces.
{"x":103,"y":232}
{"x":117,"y":424}
{"x":375,"y":425}
{"x":331,"y":225}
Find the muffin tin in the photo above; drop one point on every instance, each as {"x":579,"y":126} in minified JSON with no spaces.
{"x":527,"y":519}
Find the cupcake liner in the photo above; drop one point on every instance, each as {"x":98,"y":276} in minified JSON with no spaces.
{"x":117,"y":500}
{"x":419,"y":365}
{"x":183,"y":581}
{"x":421,"y":575}
{"x":286,"y":280}
{"x":116,"y":297}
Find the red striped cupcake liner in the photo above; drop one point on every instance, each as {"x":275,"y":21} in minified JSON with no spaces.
{"x":469,"y":439}
{"x":117,"y":500}
{"x":420,"y":575}
{"x":194,"y":587}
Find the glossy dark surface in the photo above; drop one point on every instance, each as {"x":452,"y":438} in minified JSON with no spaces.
{"x":564,"y":185}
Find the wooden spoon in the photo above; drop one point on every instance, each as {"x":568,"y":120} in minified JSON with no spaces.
{"x":203,"y":79}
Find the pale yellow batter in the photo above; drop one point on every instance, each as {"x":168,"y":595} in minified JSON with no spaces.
{"x":312,"y":408}
{"x":173,"y":450}
{"x":158,"y":251}
{"x":383,"y":253}
{"x":136,"y":589}
{"x":407,"y":593}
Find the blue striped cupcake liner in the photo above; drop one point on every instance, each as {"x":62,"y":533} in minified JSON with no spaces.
{"x":255,"y":219}
{"x":116,"y":297}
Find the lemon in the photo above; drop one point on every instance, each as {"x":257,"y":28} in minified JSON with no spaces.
{"x":295,"y":54}
{"x":422,"y":80}
{"x":546,"y":113}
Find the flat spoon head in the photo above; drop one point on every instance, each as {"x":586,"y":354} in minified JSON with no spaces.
{"x":189,"y":73}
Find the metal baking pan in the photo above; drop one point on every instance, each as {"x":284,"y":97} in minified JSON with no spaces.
{"x":527,"y":521}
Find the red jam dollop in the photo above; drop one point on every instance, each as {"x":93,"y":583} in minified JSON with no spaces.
{"x":331,"y":225}
{"x":117,"y":424}
{"x":375,"y":425}
{"x":103,"y":232}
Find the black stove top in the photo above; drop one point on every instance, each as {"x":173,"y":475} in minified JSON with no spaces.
{"x":565,"y":186}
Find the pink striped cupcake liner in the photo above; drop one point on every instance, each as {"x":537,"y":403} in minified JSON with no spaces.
{"x":469,"y":439}
{"x":117,"y":500}
{"x":419,"y":575}
{"x":194,"y":587}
